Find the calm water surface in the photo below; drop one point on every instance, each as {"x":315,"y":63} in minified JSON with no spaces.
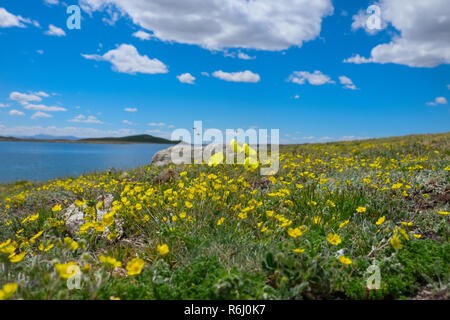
{"x":36,"y":161}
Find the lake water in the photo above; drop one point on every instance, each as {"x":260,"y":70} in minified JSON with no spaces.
{"x":40,"y":161}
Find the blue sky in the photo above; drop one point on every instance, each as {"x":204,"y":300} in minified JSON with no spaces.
{"x":314,"y":70}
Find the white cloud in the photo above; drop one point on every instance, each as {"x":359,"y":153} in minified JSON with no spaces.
{"x":142,"y":35}
{"x":438,"y":100}
{"x":126,"y":59}
{"x":24,"y":98}
{"x":15,"y":112}
{"x":4,"y":105}
{"x":157,"y":124}
{"x":361,"y":19}
{"x":316,"y":78}
{"x":40,"y":51}
{"x":83,"y":119}
{"x":42,"y":94}
{"x":40,"y":114}
{"x":52,"y":2}
{"x":127,"y":122}
{"x":27,"y":131}
{"x":186,"y":78}
{"x":218,"y":24}
{"x":131,"y":109}
{"x":206,"y":74}
{"x":423,"y":32}
{"x":41,"y":107}
{"x":297,"y":97}
{"x":8,"y":20}
{"x":55,"y":31}
{"x":448,"y":86}
{"x":347,"y":83}
{"x":245,"y":56}
{"x":357,"y":59}
{"x":241,"y":76}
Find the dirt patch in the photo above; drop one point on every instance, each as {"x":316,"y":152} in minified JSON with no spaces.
{"x":427,"y":294}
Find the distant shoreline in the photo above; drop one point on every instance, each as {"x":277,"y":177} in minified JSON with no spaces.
{"x":124,"y":140}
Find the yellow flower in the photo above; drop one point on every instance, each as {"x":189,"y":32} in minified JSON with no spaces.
{"x":216,"y":159}
{"x":18,"y":257}
{"x":37,"y":235}
{"x":221,"y":220}
{"x":135,"y":266}
{"x":297,"y":250}
{"x":42,"y":247}
{"x":345,"y":260}
{"x":444,"y":213}
{"x":334,"y":239}
{"x":110,"y":261}
{"x":294,"y":233}
{"x":242,"y":215}
{"x":67,"y":270}
{"x":182,"y":215}
{"x":71,"y":243}
{"x":163,"y":249}
{"x":269,"y":213}
{"x":57,"y":208}
{"x":396,"y":242}
{"x":108,"y":219}
{"x":343,"y":224}
{"x":188,"y":204}
{"x":299,"y":186}
{"x":417,"y":236}
{"x":249,"y":152}
{"x":80,"y":203}
{"x":380,"y":221}
{"x":235,"y":147}
{"x":8,"y":290}
{"x":361,"y":209}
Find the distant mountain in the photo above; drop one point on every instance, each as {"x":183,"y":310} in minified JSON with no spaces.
{"x":49,"y":137}
{"x":143,"y":138}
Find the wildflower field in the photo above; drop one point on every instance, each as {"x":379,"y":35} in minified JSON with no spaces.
{"x":333,"y":218}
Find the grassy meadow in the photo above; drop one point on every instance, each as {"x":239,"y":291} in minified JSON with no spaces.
{"x":311,"y":231}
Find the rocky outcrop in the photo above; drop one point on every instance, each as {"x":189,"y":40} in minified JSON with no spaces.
{"x":74,"y":215}
{"x":183,"y":153}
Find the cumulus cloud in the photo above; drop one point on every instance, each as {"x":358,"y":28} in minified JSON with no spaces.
{"x":2,"y":105}
{"x":316,"y":78}
{"x":131,"y":109}
{"x":126,"y":59}
{"x":241,"y":76}
{"x":40,"y":114}
{"x":83,"y":119}
{"x":55,"y":31}
{"x":15,"y":112}
{"x":8,"y":20}
{"x":423,"y":32}
{"x":142,"y":35}
{"x":24,"y":98}
{"x":438,"y":100}
{"x":357,"y":59}
{"x":218,"y":24}
{"x":41,"y":107}
{"x":361,"y":20}
{"x":245,"y":56}
{"x":186,"y":78}
{"x":347,"y":83}
{"x":157,"y":124}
